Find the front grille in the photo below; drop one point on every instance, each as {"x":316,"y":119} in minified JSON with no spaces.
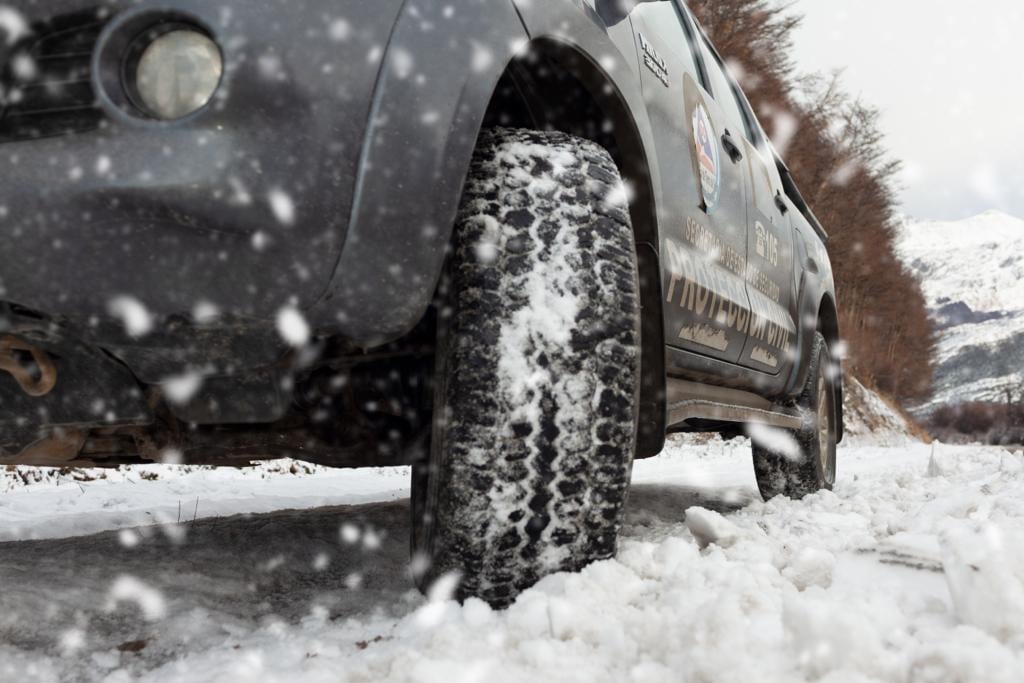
{"x":46,"y":89}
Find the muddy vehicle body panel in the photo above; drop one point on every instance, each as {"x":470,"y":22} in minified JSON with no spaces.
{"x":324,"y":177}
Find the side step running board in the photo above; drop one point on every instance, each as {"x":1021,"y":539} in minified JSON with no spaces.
{"x":692,"y":401}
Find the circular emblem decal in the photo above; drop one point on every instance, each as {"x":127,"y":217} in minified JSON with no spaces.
{"x":707,"y":156}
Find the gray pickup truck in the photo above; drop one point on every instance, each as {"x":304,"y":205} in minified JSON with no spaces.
{"x":512,"y":244}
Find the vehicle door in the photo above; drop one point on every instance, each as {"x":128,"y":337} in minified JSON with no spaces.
{"x":770,"y":272}
{"x":703,"y":214}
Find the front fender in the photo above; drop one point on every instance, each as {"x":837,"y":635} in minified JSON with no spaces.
{"x":441,"y":66}
{"x":582,"y":29}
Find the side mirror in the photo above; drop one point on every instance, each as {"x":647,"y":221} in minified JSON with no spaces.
{"x":614,"y":11}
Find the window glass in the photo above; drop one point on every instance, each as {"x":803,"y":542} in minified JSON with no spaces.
{"x":722,"y":89}
{"x":760,"y":140}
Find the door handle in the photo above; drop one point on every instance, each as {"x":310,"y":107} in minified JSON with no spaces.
{"x":731,"y":148}
{"x":781,"y":204}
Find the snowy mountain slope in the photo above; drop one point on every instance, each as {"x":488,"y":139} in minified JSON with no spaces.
{"x":870,"y":421}
{"x":911,"y":570}
{"x":972,"y":274}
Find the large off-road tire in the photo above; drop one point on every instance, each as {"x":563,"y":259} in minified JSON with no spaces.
{"x":813,"y":467}
{"x":537,"y":371}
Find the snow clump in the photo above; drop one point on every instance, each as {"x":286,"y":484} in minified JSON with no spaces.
{"x":292,"y":326}
{"x":137,"y":321}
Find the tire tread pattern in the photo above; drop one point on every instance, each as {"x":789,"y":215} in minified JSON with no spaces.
{"x":535,"y":467}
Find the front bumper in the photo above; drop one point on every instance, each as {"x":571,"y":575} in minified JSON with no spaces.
{"x":244,"y":205}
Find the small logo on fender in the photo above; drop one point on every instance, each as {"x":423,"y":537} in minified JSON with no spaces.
{"x":654,"y":61}
{"x":707,"y":157}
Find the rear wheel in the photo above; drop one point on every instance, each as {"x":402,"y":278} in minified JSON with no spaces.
{"x":537,"y":371}
{"x":810,"y":465}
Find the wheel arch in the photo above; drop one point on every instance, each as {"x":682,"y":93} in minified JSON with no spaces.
{"x":519,"y":81}
{"x":555,"y":85}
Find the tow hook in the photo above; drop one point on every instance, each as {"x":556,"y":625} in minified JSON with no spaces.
{"x":36,"y":378}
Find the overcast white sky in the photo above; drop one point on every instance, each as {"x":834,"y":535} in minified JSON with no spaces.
{"x":949,"y":78}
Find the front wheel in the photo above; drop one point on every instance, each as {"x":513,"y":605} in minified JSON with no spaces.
{"x":537,"y":371}
{"x":806,"y":461}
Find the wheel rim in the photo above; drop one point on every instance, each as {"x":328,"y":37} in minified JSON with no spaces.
{"x":825,"y":430}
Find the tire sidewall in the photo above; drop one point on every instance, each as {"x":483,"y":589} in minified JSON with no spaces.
{"x":781,"y":474}
{"x":826,"y":466}
{"x":425,"y":474}
{"x":824,"y":391}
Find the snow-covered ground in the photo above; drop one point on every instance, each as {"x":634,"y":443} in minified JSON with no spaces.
{"x":38,"y":503}
{"x":912,"y":570}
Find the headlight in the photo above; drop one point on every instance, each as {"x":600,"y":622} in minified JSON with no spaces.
{"x":178,"y":73}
